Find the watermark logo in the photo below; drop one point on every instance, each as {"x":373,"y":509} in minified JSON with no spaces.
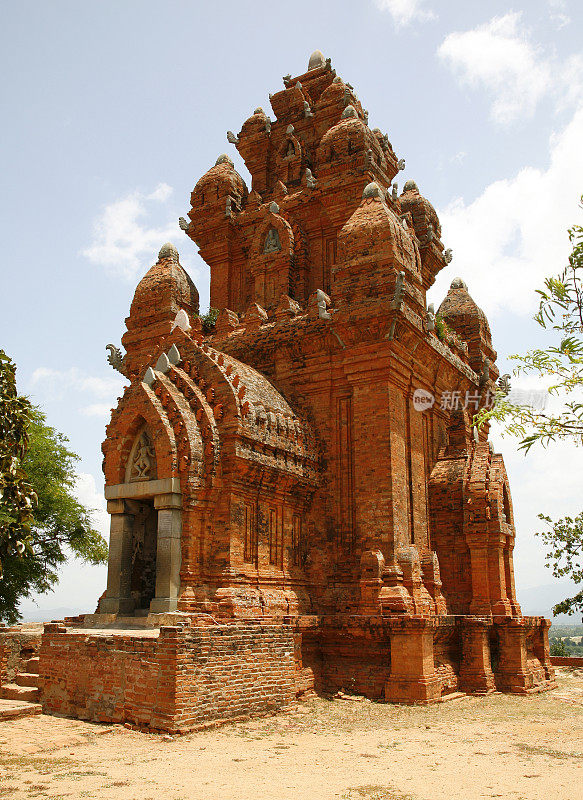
{"x":422,"y":400}
{"x":473,"y":401}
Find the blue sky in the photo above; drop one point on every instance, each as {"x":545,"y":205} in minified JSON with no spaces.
{"x":113,"y":110}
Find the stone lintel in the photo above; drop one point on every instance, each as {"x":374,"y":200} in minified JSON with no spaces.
{"x":142,"y":489}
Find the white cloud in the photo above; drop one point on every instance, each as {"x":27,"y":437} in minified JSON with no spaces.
{"x":91,"y":497}
{"x":122,"y":241}
{"x":558,"y":13}
{"x":515,"y":233}
{"x":56,"y":384}
{"x":500,"y":58}
{"x":404,"y":12}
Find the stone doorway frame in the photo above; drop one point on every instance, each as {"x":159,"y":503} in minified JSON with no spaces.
{"x":167,"y":499}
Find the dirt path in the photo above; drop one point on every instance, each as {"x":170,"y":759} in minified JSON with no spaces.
{"x":524,"y":748}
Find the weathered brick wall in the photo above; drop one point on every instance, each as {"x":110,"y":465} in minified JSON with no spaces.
{"x":16,"y":647}
{"x":567,"y":661}
{"x":177,"y":681}
{"x":353,"y":655}
{"x":231,"y":671}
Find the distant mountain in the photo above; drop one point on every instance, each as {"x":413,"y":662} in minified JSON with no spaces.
{"x":539,"y":601}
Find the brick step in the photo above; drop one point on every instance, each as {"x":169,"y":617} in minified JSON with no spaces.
{"x":32,"y":664}
{"x":15,"y":709}
{"x":11,"y":691}
{"x":27,"y":679}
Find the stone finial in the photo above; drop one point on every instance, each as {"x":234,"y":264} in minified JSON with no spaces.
{"x":224,"y":159}
{"x":349,"y":112}
{"x":231,"y":138}
{"x":458,"y":283}
{"x":259,"y":110}
{"x":174,"y":356}
{"x":372,"y":191}
{"x":150,"y":377}
{"x":163,"y":364}
{"x":410,"y":186}
{"x":338,"y":79}
{"x":181,"y":321}
{"x":168,"y":253}
{"x":316,"y":60}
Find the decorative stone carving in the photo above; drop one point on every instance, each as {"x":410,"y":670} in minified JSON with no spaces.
{"x":272,"y":242}
{"x":504,"y":383}
{"x":231,"y":138}
{"x":310,"y":180}
{"x":115,"y":358}
{"x":143,"y":460}
{"x":318,"y":303}
{"x":430,"y":317}
{"x":183,"y":223}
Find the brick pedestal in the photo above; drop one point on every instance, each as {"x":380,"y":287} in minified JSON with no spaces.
{"x":412,"y":678}
{"x":476,"y":676}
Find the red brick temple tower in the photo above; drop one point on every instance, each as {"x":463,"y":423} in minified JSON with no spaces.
{"x":295,"y":463}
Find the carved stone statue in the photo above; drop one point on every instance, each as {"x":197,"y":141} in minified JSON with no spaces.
{"x":143,"y":459}
{"x":291,"y":150}
{"x":272,"y":242}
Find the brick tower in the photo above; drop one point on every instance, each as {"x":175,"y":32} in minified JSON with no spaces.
{"x":310,"y":458}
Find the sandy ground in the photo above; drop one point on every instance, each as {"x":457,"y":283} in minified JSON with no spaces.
{"x":524,"y":748}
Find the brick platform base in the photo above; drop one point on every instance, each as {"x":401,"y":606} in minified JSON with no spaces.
{"x":178,"y":678}
{"x":174,"y":680}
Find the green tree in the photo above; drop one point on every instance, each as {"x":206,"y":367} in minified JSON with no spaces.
{"x":56,"y":523}
{"x":561,"y":363}
{"x":559,"y":648}
{"x":17,"y":497}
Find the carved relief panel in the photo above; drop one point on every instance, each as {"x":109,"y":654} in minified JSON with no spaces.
{"x":141,"y":464}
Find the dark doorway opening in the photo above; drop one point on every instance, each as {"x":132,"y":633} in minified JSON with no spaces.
{"x":144,"y":546}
